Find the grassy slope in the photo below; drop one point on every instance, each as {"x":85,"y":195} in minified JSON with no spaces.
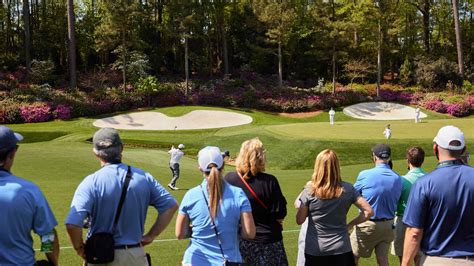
{"x":58,"y":166}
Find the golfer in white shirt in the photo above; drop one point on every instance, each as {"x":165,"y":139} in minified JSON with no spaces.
{"x":176,"y":155}
{"x":387,"y":132}
{"x":332,"y":113}
{"x":417,"y":115}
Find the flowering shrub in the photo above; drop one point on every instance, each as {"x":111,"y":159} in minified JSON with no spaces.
{"x":62,"y":112}
{"x":10,"y":112}
{"x":37,"y":112}
{"x":417,"y":98}
{"x":470,"y":101}
{"x":389,"y":95}
{"x":33,"y":103}
{"x":459,"y":109}
{"x":435,"y":105}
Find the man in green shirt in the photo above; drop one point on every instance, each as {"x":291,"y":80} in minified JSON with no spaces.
{"x":415,"y":158}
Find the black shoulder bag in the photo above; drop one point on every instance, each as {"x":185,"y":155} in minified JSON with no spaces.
{"x":100,"y":247}
{"x":224,"y":259}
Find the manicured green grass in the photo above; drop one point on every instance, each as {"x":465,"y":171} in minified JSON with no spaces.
{"x":58,"y":155}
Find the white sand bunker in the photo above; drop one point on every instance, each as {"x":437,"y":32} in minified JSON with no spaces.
{"x":198,"y":119}
{"x":381,"y":111}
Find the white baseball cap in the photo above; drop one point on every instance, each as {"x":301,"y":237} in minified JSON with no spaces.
{"x":181,"y":146}
{"x":210,"y":155}
{"x":448,"y":134}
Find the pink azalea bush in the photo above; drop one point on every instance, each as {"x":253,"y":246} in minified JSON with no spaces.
{"x":36,"y":112}
{"x":470,"y":101}
{"x":62,"y":111}
{"x":435,"y":105}
{"x":459,"y":109}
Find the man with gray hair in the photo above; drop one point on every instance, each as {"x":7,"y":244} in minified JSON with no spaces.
{"x":98,"y":197}
{"x":440,"y":210}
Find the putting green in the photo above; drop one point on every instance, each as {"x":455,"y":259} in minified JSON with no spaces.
{"x":356,"y":130}
{"x":57,"y":156}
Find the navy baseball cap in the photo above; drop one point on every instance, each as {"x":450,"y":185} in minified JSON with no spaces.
{"x":382,"y":151}
{"x":8,"y":138}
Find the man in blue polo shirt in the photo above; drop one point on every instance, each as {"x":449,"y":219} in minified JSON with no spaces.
{"x":98,"y":197}
{"x":382,"y":188}
{"x":23,"y":208}
{"x":440,"y":210}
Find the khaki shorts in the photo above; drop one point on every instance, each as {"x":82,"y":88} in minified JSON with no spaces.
{"x":442,"y":261}
{"x":372,"y":235}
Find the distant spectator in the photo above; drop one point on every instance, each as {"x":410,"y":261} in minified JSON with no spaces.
{"x":417,"y":115}
{"x":23,"y":209}
{"x":268,"y":205}
{"x":440,"y":211}
{"x":382,"y":188}
{"x":210,"y":214}
{"x":325,"y":201}
{"x":387,"y":132}
{"x":226,"y":155}
{"x":415,"y":158}
{"x":332,"y":114}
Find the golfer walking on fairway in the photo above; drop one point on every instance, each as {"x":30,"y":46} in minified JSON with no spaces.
{"x":176,"y":155}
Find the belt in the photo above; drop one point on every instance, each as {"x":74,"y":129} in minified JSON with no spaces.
{"x":381,"y":219}
{"x":127,"y":246}
{"x":463,"y":257}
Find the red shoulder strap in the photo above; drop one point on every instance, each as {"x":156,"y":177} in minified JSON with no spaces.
{"x":251,"y":191}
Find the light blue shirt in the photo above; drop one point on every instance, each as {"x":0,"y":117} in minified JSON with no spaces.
{"x":382,"y":188}
{"x":204,"y":248}
{"x":442,"y":204}
{"x":98,"y":196}
{"x":23,"y":208}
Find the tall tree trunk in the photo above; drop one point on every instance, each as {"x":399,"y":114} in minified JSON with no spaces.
{"x":426,"y":25}
{"x":356,"y":34}
{"x":186,"y":65}
{"x":26,"y":21}
{"x":8,"y":42}
{"x":124,"y":60}
{"x":333,"y":66}
{"x":333,"y":19}
{"x":280,"y":66}
{"x":226,"y":52}
{"x":457,"y":28}
{"x":379,"y":56}
{"x":72,"y":44}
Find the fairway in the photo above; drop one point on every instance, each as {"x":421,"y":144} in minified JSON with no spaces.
{"x":58,"y":155}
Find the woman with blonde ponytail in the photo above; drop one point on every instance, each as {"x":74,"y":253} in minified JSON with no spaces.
{"x":325,"y":201}
{"x":268,"y":206}
{"x":211,"y":213}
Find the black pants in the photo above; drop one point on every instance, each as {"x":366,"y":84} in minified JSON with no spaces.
{"x":345,"y":259}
